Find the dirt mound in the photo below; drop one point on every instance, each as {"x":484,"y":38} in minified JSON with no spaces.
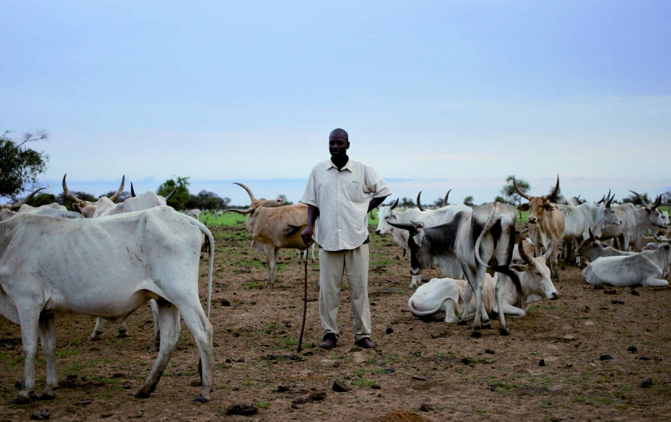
{"x":402,"y":417}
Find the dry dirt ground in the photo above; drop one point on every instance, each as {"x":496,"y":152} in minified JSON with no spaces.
{"x":420,"y":371}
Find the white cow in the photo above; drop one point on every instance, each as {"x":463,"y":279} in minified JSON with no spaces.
{"x":105,"y":268}
{"x":590,"y":250}
{"x":635,"y":221}
{"x":195,"y":213}
{"x":648,"y":268}
{"x":429,"y":218}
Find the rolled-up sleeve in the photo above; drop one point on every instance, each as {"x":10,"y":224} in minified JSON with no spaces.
{"x":376,"y":184}
{"x":310,"y":194}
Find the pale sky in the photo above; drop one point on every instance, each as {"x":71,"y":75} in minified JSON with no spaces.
{"x":435,"y":95}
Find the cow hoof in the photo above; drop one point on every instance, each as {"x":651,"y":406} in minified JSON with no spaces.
{"x":122,"y":334}
{"x":476,"y":334}
{"x":141,"y":395}
{"x":200,"y":399}
{"x":461,"y":322}
{"x":96,"y":336}
{"x":21,"y":400}
{"x":486,"y":326}
{"x":504,"y":332}
{"x":46,"y":396}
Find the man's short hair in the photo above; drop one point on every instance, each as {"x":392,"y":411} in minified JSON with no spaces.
{"x":339,"y":132}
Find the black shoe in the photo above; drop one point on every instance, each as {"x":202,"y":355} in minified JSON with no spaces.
{"x":365,"y":343}
{"x":329,"y":342}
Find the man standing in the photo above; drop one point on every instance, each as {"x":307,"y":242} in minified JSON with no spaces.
{"x":338,"y":196}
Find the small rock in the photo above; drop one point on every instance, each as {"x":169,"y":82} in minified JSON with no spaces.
{"x":299,"y":400}
{"x":635,"y":293}
{"x":606,"y":357}
{"x":647,"y":383}
{"x":569,"y":337}
{"x":598,"y":287}
{"x":85,"y":403}
{"x":18,"y":385}
{"x":610,"y":292}
{"x":375,"y":387}
{"x":389,"y":330}
{"x":126,"y":387}
{"x":592,"y":365}
{"x":632,"y":349}
{"x":466,"y":361}
{"x":336,"y":364}
{"x":282,"y":388}
{"x":426,"y":407}
{"x":417,"y":354}
{"x":225,"y":302}
{"x":617,"y":302}
{"x":644,"y":358}
{"x":309,"y":353}
{"x":490,"y":352}
{"x":246,"y":409}
{"x":541,"y":362}
{"x":317,"y":396}
{"x":43,"y":415}
{"x":340,"y":387}
{"x":386,"y":290}
{"x":418,"y":378}
{"x":241,"y":360}
{"x":228,"y":360}
{"x":389,"y":370}
{"x":236,"y":334}
{"x":196,"y":384}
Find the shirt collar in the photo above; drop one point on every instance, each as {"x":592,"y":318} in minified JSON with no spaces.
{"x":333,"y":166}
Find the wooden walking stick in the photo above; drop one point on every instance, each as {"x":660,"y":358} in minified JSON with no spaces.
{"x":305,"y":303}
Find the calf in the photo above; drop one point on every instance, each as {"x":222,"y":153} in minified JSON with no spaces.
{"x":647,"y":268}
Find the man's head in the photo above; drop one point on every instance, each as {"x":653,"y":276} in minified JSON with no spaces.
{"x":338,"y":143}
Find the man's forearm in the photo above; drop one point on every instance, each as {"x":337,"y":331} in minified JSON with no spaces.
{"x":313,"y":213}
{"x":373,"y":203}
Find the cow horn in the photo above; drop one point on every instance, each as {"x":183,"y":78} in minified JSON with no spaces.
{"x":522,"y":252}
{"x":610,"y":199}
{"x":601,"y":201}
{"x":645,"y":204}
{"x":132,"y":191}
{"x":519,"y":192}
{"x":554,"y":192}
{"x":591,"y":236}
{"x":22,"y":202}
{"x":447,"y":195}
{"x":69,"y":194}
{"x":578,"y":197}
{"x":553,"y":246}
{"x":394,"y":205}
{"x":118,"y":193}
{"x":658,"y":202}
{"x":419,"y":205}
{"x":417,"y":224}
{"x":167,"y":198}
{"x":409,"y":227}
{"x":249,"y":191}
{"x":247,"y":211}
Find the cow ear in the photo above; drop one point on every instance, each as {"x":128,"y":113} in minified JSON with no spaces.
{"x":517,"y":267}
{"x":523,"y":207}
{"x":667,"y":247}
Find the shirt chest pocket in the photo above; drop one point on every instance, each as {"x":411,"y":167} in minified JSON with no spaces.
{"x":355,"y":191}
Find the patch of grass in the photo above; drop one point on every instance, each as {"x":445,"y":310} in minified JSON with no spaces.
{"x":263,"y":405}
{"x":64,"y":353}
{"x":363,"y":382}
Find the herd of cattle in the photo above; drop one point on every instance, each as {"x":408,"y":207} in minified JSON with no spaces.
{"x":108,"y":259}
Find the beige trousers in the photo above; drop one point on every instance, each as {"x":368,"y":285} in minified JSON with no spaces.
{"x":332,"y":266}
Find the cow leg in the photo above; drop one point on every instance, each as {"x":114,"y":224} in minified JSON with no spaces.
{"x":97,"y":330}
{"x":313,"y":253}
{"x":654,"y":282}
{"x":197,"y":322}
{"x":468,"y":292}
{"x":503,"y":329}
{"x":271,"y":258}
{"x":415,"y":281}
{"x":29,"y":318}
{"x":48,"y":340}
{"x":480,"y":313}
{"x":157,"y":326}
{"x":123,"y":330}
{"x":170,"y":329}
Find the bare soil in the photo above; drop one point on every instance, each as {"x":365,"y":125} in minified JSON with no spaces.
{"x":420,"y":371}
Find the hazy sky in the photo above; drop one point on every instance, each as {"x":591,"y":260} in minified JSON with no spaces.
{"x":435,"y":94}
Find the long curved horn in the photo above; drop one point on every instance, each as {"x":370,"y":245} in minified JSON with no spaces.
{"x":22,"y":202}
{"x":409,"y":227}
{"x":132,"y":191}
{"x":247,"y":211}
{"x":167,"y":198}
{"x":118,"y":193}
{"x":69,"y":194}
{"x":554,"y":192}
{"x":249,"y":191}
{"x":553,"y":246}
{"x":519,"y":192}
{"x":591,"y":236}
{"x":523,"y":253}
{"x":658,"y":202}
{"x":419,"y":204}
{"x":394,"y":205}
{"x":641,"y":198}
{"x":610,"y":199}
{"x":601,"y":201}
{"x":447,"y":195}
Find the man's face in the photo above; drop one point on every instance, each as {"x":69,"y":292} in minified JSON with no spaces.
{"x":338,"y":145}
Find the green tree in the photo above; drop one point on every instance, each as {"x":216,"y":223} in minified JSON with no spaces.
{"x":41,"y":199}
{"x":284,"y":198}
{"x":634,"y":199}
{"x":469,"y":201}
{"x":124,"y":195}
{"x":511,"y":194}
{"x":84,"y":196}
{"x":501,"y":200}
{"x":406,"y":202}
{"x":20,"y":165}
{"x":181,"y":197}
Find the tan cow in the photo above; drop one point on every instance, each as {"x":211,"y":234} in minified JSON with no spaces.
{"x":546,"y":222}
{"x":274,"y":227}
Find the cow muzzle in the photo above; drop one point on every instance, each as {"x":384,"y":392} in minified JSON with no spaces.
{"x":555,"y":296}
{"x":532,"y":220}
{"x":415,"y":271}
{"x":377,"y":231}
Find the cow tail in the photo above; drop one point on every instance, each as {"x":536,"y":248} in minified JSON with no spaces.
{"x":503,"y":269}
{"x":210,"y":262}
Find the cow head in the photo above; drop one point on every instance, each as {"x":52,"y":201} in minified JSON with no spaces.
{"x":535,"y":275}
{"x":538,"y":205}
{"x":605,"y":214}
{"x":256,"y":203}
{"x":386,"y":215}
{"x":88,"y":209}
{"x":419,"y":256}
{"x":589,"y":247}
{"x":654,"y":215}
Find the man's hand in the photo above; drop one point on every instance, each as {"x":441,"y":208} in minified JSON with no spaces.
{"x":307,"y":235}
{"x":375,"y":202}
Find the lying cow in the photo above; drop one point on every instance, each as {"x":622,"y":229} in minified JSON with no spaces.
{"x":444,"y":298}
{"x":106,"y":268}
{"x":647,"y":268}
{"x":591,"y":249}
